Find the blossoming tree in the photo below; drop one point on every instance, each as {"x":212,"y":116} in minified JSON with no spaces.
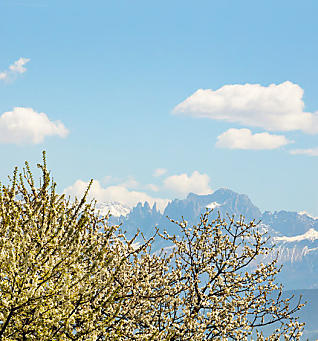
{"x":66,"y":274}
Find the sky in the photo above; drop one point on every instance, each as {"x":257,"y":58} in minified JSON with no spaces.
{"x":153,"y":100}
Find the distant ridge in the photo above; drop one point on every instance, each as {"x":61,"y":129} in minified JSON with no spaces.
{"x":294,"y":233}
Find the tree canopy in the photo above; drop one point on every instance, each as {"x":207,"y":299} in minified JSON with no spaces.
{"x":67,"y":274}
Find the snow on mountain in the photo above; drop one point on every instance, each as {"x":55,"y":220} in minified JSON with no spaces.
{"x":116,"y":209}
{"x":307,"y":214}
{"x":293,"y":234}
{"x":289,"y":224}
{"x":311,"y":235}
{"x":213,"y":205}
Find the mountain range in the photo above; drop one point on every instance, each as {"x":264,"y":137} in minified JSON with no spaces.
{"x":294,"y":234}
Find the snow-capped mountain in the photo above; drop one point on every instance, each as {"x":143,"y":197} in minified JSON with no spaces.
{"x":307,"y":214}
{"x":223,"y":200}
{"x":289,"y":223}
{"x":311,"y":235}
{"x":116,"y":209}
{"x":294,"y":234}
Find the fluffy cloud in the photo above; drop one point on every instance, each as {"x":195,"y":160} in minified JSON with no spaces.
{"x":24,"y":125}
{"x":244,"y":139}
{"x":275,"y":107}
{"x":113,"y":193}
{"x":18,"y":67}
{"x":159,"y":172}
{"x":130,"y":183}
{"x":107,"y":179}
{"x":152,"y":187}
{"x":309,"y":152}
{"x":183,"y":184}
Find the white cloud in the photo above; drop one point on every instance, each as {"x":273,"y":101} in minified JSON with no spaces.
{"x":130,"y":183}
{"x":24,"y":125}
{"x":309,"y":151}
{"x":183,"y":184}
{"x":113,"y":193}
{"x":275,"y":107}
{"x":152,"y":187}
{"x":18,"y":67}
{"x":159,"y":172}
{"x":107,"y":179}
{"x":244,"y":139}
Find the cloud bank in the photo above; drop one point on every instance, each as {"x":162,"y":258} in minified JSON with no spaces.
{"x":275,"y":107}
{"x":117,"y":193}
{"x":309,"y":151}
{"x":159,"y":172}
{"x":25,"y":125}
{"x":244,"y":139}
{"x":18,"y":67}
{"x":183,"y":184}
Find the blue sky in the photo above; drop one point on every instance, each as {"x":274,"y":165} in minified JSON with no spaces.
{"x":110,"y":90}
